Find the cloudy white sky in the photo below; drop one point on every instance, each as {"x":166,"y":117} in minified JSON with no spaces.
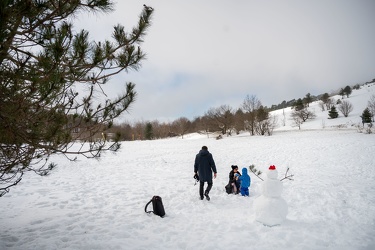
{"x":203,"y":54}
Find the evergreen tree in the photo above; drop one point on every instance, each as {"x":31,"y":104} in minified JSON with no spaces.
{"x":43,"y":60}
{"x":149,"y":135}
{"x":347,"y":91}
{"x":298,"y":105}
{"x":333,"y":112}
{"x":324,"y":98}
{"x":366,"y":116}
{"x":239,"y":120}
{"x":263,"y":123}
{"x":307,"y":100}
{"x":262,"y":114}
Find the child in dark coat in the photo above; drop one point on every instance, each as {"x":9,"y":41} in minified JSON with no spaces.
{"x":245,"y":182}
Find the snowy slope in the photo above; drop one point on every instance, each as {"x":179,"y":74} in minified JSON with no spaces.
{"x":359,"y":99}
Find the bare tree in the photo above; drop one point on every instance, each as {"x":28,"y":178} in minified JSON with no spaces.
{"x":139,"y":128}
{"x":160,"y":129}
{"x":272,"y":124}
{"x":371,"y":106}
{"x":342,"y":93}
{"x":345,"y":108}
{"x":303,"y":114}
{"x":297,"y":120}
{"x":283,"y":120}
{"x":250,"y":105}
{"x":266,"y":126}
{"x":205,"y":125}
{"x":322,"y":105}
{"x":182,"y":125}
{"x":329,"y":102}
{"x":223,"y":117}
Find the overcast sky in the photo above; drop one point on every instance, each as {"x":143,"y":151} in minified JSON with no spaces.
{"x":203,"y":54}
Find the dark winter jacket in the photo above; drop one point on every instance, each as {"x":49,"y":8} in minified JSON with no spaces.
{"x":245,"y":178}
{"x":204,"y":165}
{"x":231,"y":176}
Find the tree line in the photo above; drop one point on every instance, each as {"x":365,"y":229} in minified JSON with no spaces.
{"x":251,"y":116}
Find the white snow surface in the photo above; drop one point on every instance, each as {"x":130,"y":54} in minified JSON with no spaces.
{"x":99,"y":204}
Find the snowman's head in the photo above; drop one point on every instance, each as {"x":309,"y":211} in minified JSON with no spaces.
{"x":272,"y":172}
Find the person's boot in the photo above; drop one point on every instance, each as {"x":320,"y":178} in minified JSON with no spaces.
{"x":202,"y":197}
{"x":206,"y":194}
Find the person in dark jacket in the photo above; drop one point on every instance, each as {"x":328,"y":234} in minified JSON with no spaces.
{"x":234,"y":182}
{"x":204,"y":165}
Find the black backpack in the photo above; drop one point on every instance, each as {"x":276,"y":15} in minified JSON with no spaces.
{"x":229,"y":188}
{"x":157,"y":205}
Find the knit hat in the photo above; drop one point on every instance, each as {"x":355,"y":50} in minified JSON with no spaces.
{"x":272,"y":167}
{"x":234,"y":167}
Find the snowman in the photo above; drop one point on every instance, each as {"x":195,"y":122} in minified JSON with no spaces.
{"x":270,"y":208}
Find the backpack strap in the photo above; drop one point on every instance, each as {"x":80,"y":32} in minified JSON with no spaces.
{"x":148,"y":203}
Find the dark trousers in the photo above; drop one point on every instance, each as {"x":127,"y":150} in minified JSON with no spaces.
{"x":201,"y":185}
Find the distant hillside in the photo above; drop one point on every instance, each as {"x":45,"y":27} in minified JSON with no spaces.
{"x":290,"y":103}
{"x":359,"y":99}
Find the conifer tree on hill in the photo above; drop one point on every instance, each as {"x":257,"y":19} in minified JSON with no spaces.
{"x":298,"y":105}
{"x":42,"y":60}
{"x":366,"y":116}
{"x":347,"y":91}
{"x":333,"y":112}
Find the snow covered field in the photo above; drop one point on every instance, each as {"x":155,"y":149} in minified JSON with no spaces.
{"x":99,"y":204}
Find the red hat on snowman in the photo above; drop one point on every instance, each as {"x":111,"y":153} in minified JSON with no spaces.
{"x":272,"y":167}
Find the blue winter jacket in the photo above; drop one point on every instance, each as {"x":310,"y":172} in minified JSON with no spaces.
{"x":245,"y":178}
{"x":204,"y":165}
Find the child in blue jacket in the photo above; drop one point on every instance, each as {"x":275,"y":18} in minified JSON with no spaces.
{"x":245,"y":182}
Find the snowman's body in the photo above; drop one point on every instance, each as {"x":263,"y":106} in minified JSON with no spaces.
{"x":270,"y":208}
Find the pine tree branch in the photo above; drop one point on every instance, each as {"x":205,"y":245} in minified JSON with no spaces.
{"x":42,"y":60}
{"x":255,"y":171}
